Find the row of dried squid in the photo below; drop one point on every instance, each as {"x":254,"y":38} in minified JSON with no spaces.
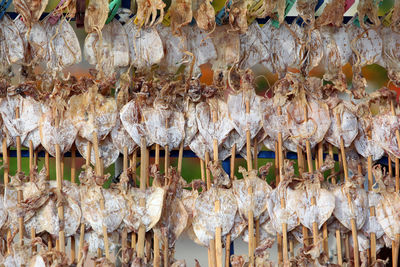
{"x":170,"y":210}
{"x":221,"y":120}
{"x":116,"y":46}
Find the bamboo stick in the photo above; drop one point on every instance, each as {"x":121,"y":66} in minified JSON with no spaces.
{"x":47,"y":164}
{"x":208,"y":175}
{"x":202,"y":175}
{"x":325,"y":234}
{"x":372,"y":211}
{"x":73,"y":174}
{"x":250,"y":216}
{"x":166,"y":160}
{"x":143,"y":176}
{"x":99,"y":171}
{"x":6,"y":169}
{"x":346,"y":177}
{"x":300,"y":162}
{"x":19,"y":194}
{"x":339,"y":247}
{"x":283,"y":204}
{"x":218,"y":238}
{"x":216,"y":251}
{"x":60,"y":209}
{"x":82,"y":229}
{"x":157,"y":256}
{"x":125,"y":159}
{"x":31,"y":164}
{"x":180,"y":158}
{"x":277,"y":179}
{"x":228,"y":236}
{"x":311,"y":170}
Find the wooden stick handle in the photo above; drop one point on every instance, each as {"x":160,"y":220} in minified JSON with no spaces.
{"x":218,"y":238}
{"x":339,"y":248}
{"x":208,"y":174}
{"x":60,"y":209}
{"x":180,"y":158}
{"x":142,"y":203}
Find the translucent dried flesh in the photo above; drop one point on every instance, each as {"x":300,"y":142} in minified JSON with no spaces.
{"x":64,"y":47}
{"x":35,"y":43}
{"x":347,"y":128}
{"x":357,"y":210}
{"x":96,"y":241}
{"x":164,"y":127}
{"x":131,"y":118}
{"x":108,"y":50}
{"x":391,"y":53}
{"x":367,"y":46}
{"x":254,"y":48}
{"x":332,"y":14}
{"x":299,"y":201}
{"x":241,"y":120}
{"x":102,"y":120}
{"x":191,"y":128}
{"x":227,"y":45}
{"x":277,"y":213}
{"x":12,"y":49}
{"x":272,"y":123}
{"x":174,"y":218}
{"x":207,"y":128}
{"x":316,"y":126}
{"x":256,"y":202}
{"x":148,"y":215}
{"x":29,"y":115}
{"x":121,"y":138}
{"x":388,"y":214}
{"x":283,"y":46}
{"x":145,"y":45}
{"x":367,"y":146}
{"x":206,"y":219}
{"x":50,"y":135}
{"x":114,"y":207}
{"x":108,"y":153}
{"x":384,"y":132}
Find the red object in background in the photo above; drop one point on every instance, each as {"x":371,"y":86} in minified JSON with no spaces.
{"x":395,"y":88}
{"x":348,"y":4}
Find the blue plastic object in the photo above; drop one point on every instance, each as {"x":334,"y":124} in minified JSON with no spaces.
{"x":3,"y":7}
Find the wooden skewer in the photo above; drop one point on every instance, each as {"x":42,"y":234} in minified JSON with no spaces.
{"x":82,"y":229}
{"x":157,"y":256}
{"x":180,"y":158}
{"x":396,"y":243}
{"x":166,"y":160}
{"x":346,"y":177}
{"x":5,"y":179}
{"x":283,"y":203}
{"x":218,"y":238}
{"x":300,"y":160}
{"x":142,"y":203}
{"x":202,"y":175}
{"x":311,"y":170}
{"x":73,"y":174}
{"x":325,"y":225}
{"x":133,"y":166}
{"x":208,"y":174}
{"x":371,"y":211}
{"x":31,"y":160}
{"x":99,"y":171}
{"x":20,"y":195}
{"x":277,"y":179}
{"x":228,"y":236}
{"x":47,"y":164}
{"x":250,"y":216}
{"x":339,"y":247}
{"x":59,"y":178}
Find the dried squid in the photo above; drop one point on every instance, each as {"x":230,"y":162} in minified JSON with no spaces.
{"x":109,"y":49}
{"x":30,"y":10}
{"x":206,"y":219}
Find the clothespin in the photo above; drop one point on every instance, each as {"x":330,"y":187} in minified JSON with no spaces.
{"x":80,"y":13}
{"x":3,"y":7}
{"x":113,"y":9}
